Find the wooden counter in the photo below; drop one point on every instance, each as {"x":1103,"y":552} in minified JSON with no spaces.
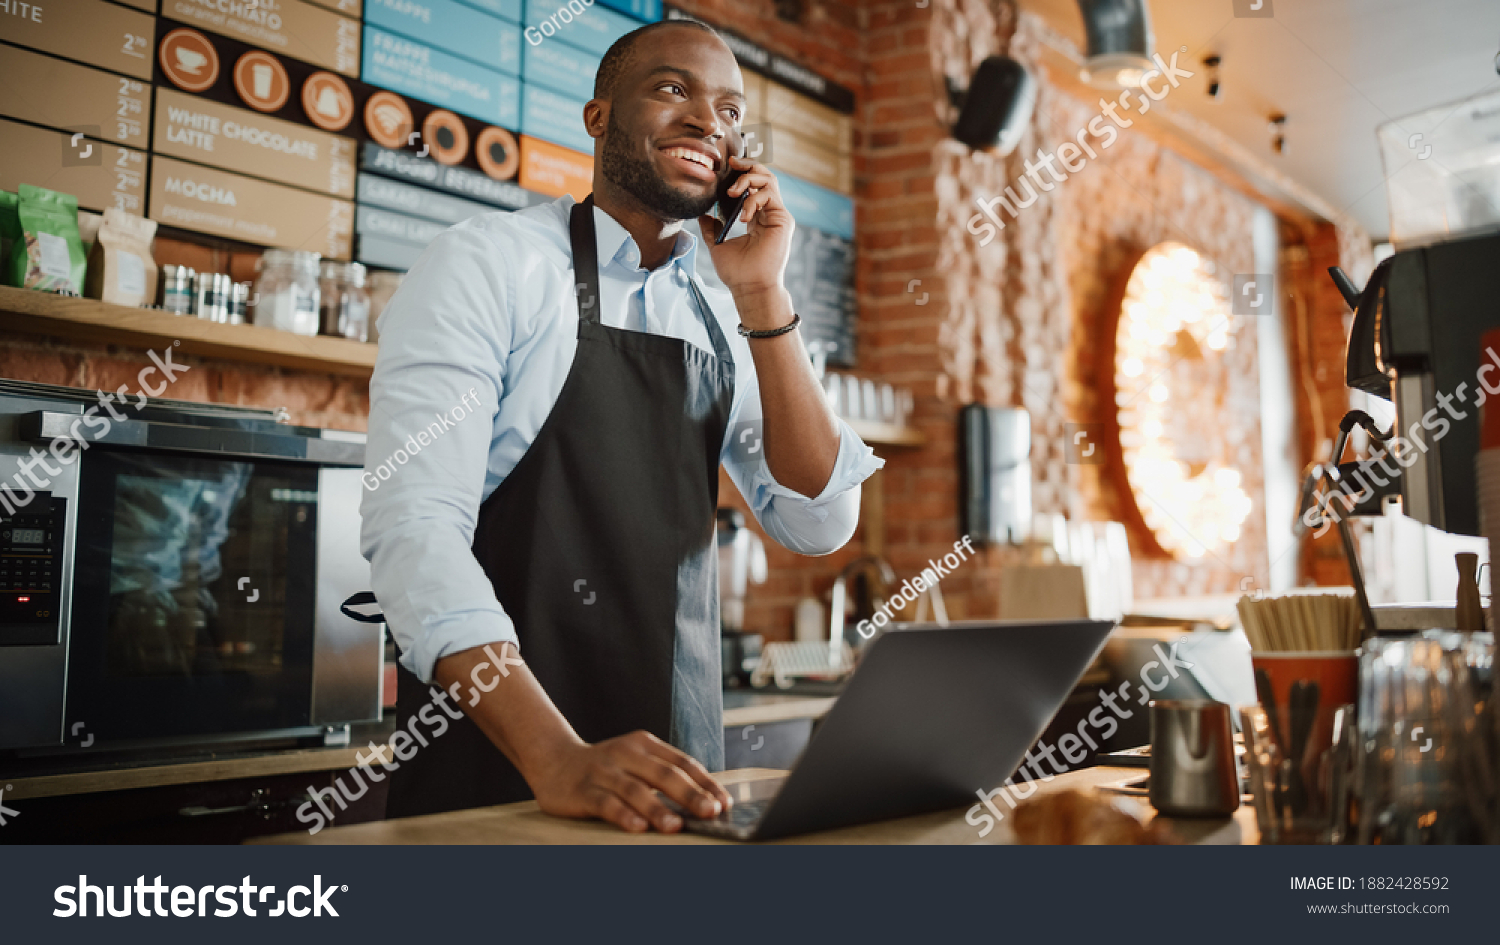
{"x":524,"y":823}
{"x":193,"y":772}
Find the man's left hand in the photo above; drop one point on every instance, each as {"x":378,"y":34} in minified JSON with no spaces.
{"x":752,"y":264}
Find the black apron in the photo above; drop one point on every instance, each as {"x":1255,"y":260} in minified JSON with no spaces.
{"x":600,"y":547}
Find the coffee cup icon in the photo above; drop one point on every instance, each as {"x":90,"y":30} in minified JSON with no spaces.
{"x":190,"y":60}
{"x":261,"y":79}
{"x":330,"y":103}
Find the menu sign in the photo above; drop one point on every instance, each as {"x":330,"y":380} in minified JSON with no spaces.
{"x":104,"y":34}
{"x":819,"y":123}
{"x":99,"y":175}
{"x":219,"y":203}
{"x":290,"y":27}
{"x":820,"y":279}
{"x":403,"y":165}
{"x":418,"y":201}
{"x":795,"y":154}
{"x":148,"y":5}
{"x":354,"y":8}
{"x":449,"y":25}
{"x":432,"y":75}
{"x":553,"y":170}
{"x":61,"y":94}
{"x":372,"y":221}
{"x":240,"y":140}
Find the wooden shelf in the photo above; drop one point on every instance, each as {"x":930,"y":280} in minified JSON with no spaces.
{"x":76,"y":319}
{"x":876,"y":433}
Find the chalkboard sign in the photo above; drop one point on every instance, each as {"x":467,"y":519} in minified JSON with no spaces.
{"x":820,"y":279}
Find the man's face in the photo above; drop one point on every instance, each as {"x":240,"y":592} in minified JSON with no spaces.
{"x":673,"y":123}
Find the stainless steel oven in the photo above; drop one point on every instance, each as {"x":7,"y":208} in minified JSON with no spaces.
{"x":171,"y":573}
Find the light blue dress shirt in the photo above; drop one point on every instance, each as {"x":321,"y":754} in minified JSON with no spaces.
{"x":474,"y":349}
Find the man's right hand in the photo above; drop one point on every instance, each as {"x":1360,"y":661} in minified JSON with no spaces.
{"x":614,"y":780}
{"x":617,"y":781}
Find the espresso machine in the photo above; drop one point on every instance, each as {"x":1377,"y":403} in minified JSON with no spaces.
{"x":1416,"y":337}
{"x":1415,"y":342}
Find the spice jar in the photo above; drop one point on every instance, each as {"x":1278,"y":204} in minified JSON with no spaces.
{"x":176,"y":289}
{"x":346,"y":303}
{"x":288,"y":292}
{"x":211,"y":296}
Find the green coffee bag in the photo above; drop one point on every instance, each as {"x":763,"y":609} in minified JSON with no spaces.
{"x":49,"y":254}
{"x":10,"y":231}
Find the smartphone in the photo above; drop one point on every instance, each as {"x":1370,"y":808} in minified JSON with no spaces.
{"x":730,"y":207}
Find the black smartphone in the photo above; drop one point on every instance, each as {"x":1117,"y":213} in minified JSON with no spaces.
{"x":730,"y":207}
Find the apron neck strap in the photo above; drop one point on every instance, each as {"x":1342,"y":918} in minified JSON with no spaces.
{"x":586,"y":278}
{"x":585,"y":260}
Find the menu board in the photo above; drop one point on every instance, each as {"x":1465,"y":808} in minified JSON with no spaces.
{"x":817,"y":207}
{"x":403,"y":165}
{"x":554,"y":170}
{"x":795,"y":154}
{"x":376,"y":191}
{"x":373,"y":221}
{"x":65,"y":95}
{"x":237,"y":139}
{"x":555,"y":118}
{"x":387,"y":253}
{"x":293,"y":28}
{"x":561,"y":68}
{"x":795,"y":112}
{"x":99,"y":175}
{"x":104,"y":34}
{"x":505,"y":9}
{"x":454,"y":27}
{"x":820,"y":279}
{"x":595,"y":29}
{"x":416,"y":69}
{"x":220,"y":203}
{"x":354,"y":8}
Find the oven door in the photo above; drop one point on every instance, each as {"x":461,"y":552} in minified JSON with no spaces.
{"x":193,"y":600}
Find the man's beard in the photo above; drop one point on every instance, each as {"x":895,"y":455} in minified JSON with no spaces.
{"x":637,"y":177}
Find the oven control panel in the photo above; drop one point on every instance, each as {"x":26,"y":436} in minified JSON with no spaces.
{"x":31,"y":543}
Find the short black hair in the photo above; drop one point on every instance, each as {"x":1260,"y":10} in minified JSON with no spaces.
{"x":619,"y":55}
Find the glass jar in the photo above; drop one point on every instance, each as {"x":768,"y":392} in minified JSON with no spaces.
{"x":287,"y":290}
{"x":346,"y":303}
{"x":176,"y":289}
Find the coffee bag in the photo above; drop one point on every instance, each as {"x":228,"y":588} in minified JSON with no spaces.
{"x":49,"y":253}
{"x":121,"y":267}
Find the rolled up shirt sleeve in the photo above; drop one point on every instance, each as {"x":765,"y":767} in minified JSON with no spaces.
{"x":810,"y":526}
{"x":445,"y":340}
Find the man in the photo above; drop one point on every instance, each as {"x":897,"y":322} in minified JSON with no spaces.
{"x":568,"y":521}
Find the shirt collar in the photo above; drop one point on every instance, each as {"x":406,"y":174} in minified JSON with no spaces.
{"x":615,"y":244}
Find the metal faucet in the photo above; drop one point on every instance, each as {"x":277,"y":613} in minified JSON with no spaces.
{"x":836,"y":603}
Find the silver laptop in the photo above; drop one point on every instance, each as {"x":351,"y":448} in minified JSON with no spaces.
{"x":932,"y":715}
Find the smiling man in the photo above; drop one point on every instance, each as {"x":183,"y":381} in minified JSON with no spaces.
{"x":567,"y":530}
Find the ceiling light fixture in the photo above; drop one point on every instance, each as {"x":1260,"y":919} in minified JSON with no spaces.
{"x":1211,"y":71}
{"x":1119,"y":43}
{"x":1278,"y":133}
